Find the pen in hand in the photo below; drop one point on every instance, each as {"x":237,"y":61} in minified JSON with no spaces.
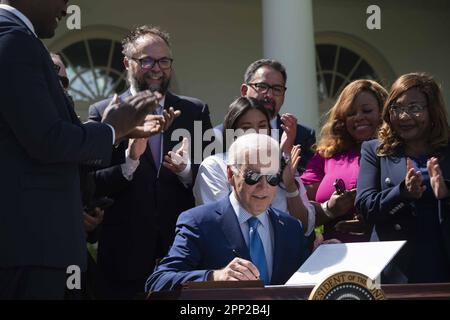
{"x":237,"y":255}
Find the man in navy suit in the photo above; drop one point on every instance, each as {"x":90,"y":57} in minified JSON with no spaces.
{"x":239,"y":237}
{"x":43,"y":143}
{"x":149,"y":189}
{"x":265,"y":80}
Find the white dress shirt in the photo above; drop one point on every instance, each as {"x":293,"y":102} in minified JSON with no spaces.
{"x":212,"y":184}
{"x":265,"y":230}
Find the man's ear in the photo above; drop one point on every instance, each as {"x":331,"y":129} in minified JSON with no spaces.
{"x":126,"y":62}
{"x":230,"y":175}
{"x":244,"y":89}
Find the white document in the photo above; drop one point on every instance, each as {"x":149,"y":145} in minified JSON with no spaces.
{"x":368,"y":258}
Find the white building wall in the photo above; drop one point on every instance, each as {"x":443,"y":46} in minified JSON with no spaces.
{"x":215,"y":40}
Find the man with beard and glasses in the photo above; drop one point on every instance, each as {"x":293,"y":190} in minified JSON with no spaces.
{"x":265,"y":80}
{"x":149,"y":189}
{"x":43,"y":144}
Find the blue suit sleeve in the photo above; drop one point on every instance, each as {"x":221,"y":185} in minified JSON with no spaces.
{"x":183,"y":259}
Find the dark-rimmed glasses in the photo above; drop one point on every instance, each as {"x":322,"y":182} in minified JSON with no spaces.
{"x":262,"y":87}
{"x":149,"y":63}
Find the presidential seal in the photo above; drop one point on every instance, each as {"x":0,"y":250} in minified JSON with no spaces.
{"x":347,"y":286}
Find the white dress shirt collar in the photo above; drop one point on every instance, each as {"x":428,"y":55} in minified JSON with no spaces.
{"x":243,"y":215}
{"x":273,"y":123}
{"x":19,"y":15}
{"x":265,"y":230}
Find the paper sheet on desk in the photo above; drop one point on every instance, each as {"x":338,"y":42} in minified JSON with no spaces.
{"x":368,"y":258}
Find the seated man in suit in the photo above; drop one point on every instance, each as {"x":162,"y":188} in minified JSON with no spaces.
{"x":239,"y":237}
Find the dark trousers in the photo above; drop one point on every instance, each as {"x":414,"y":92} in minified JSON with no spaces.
{"x":32,"y":283}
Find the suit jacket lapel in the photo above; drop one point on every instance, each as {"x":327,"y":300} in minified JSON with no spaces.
{"x":398,"y":172}
{"x":231,"y":229}
{"x":279,"y":243}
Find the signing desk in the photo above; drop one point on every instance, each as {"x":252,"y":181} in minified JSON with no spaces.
{"x":392,"y":291}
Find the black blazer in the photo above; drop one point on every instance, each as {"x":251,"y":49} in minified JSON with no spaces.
{"x":380,"y":202}
{"x":140,"y":226}
{"x":42,"y":144}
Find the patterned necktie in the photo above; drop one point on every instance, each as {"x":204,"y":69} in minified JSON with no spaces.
{"x":257,"y":249}
{"x":155,"y":143}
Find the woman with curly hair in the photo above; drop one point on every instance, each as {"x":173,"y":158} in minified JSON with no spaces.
{"x":354,"y":118}
{"x":403,"y":180}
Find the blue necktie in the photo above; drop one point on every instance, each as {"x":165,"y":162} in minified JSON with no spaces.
{"x":257,"y":249}
{"x":155,"y":143}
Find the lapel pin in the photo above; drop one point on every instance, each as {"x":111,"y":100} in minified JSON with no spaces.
{"x":388,"y":181}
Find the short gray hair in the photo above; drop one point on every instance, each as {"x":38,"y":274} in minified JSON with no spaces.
{"x":254,"y":148}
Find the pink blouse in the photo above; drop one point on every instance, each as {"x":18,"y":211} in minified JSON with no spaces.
{"x":325,"y":171}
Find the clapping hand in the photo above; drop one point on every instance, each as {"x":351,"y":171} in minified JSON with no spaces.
{"x":437,"y":182}
{"x":291,"y":168}
{"x":178,"y":160}
{"x":137,"y":147}
{"x":289,"y":126}
{"x":125,"y":116}
{"x":152,"y":125}
{"x":414,"y":187}
{"x":169,"y":116}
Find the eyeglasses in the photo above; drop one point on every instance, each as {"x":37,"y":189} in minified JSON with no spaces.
{"x":149,"y":63}
{"x":251,"y":178}
{"x":263,"y":87}
{"x":412,"y":109}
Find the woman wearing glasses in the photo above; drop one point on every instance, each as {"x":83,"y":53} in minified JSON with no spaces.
{"x":247,"y":115}
{"x":331,"y":175}
{"x":403,"y":181}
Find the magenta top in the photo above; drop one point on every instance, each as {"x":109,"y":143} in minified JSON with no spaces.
{"x":343,"y":165}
